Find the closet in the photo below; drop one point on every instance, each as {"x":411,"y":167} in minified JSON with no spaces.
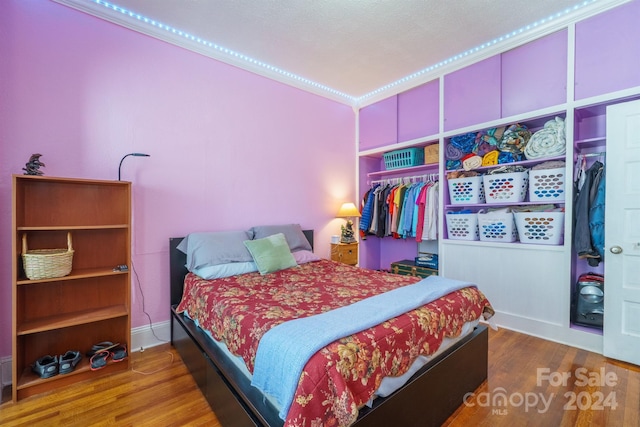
{"x":409,"y":120}
{"x":587,"y":247}
{"x":401,"y":213}
{"x":580,"y":73}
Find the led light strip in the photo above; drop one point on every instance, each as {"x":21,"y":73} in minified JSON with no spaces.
{"x":476,"y":49}
{"x":222,"y":49}
{"x":353,"y":99}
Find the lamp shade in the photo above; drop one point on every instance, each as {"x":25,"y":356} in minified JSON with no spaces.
{"x":348,"y":210}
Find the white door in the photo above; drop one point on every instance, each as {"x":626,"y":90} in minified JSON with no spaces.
{"x":622,"y":234}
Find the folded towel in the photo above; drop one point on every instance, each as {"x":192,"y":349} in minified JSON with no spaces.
{"x":454,"y":164}
{"x":491,"y":158}
{"x":515,"y":139}
{"x":549,"y":141}
{"x":487,"y":140}
{"x":464,"y":142}
{"x":453,"y":152}
{"x":471,"y":162}
{"x":507,"y":157}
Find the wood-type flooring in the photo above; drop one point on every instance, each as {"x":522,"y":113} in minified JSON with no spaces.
{"x":532,"y":382}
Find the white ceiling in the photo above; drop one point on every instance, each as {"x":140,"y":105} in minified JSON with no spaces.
{"x":355,"y":47}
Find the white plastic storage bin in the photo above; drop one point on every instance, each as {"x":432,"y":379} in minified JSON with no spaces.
{"x":462,"y":226}
{"x":547,"y":185}
{"x":497,"y":227}
{"x":506,"y":187}
{"x":542,"y":228}
{"x":466,"y":190}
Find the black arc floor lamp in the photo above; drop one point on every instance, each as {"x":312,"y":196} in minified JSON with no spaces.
{"x":127,"y":155}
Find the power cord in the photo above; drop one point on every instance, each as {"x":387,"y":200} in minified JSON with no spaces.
{"x":144,"y":310}
{"x":157,"y":370}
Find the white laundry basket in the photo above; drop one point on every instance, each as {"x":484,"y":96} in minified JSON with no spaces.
{"x":541,"y":228}
{"x":497,"y":227}
{"x":462,"y":226}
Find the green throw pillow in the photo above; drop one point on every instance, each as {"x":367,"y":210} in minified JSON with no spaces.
{"x":271,"y":253}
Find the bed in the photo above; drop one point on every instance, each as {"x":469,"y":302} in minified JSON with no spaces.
{"x":427,"y":398}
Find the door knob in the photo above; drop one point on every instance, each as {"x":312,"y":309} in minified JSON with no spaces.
{"x":616,"y":250}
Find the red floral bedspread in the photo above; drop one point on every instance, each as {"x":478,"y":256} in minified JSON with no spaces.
{"x":344,"y":375}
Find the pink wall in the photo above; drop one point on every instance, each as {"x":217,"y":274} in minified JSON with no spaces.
{"x":229,"y":149}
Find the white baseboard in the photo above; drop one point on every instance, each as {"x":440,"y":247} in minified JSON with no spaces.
{"x":5,"y":371}
{"x":562,"y":334}
{"x":142,"y":337}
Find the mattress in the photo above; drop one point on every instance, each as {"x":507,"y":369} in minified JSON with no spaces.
{"x":388,"y":385}
{"x":347,"y":373}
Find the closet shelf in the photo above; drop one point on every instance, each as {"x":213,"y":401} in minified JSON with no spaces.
{"x":521,"y":163}
{"x":590,"y":142}
{"x":497,"y":205}
{"x":515,"y":245}
{"x":432,"y":167}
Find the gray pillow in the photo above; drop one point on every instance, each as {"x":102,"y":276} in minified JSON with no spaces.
{"x":213,"y":248}
{"x":292,"y":233}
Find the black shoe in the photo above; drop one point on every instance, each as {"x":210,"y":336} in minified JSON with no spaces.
{"x":46,"y":366}
{"x":68,"y":361}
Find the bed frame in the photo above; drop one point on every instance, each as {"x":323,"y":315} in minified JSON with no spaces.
{"x":427,"y":399}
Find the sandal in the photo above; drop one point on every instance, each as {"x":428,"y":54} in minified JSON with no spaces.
{"x":100,"y":353}
{"x":119,"y":353}
{"x":68,"y":361}
{"x":99,"y":360}
{"x":46,"y":366}
{"x":104,"y":345}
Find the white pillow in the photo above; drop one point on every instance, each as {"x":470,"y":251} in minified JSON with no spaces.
{"x":221,"y":271}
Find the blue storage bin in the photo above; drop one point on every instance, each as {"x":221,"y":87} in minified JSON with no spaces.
{"x":404,"y":158}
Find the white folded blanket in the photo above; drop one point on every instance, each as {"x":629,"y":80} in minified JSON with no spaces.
{"x":549,"y":141}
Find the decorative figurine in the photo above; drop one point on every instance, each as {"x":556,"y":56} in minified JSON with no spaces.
{"x":33,"y":166}
{"x":347,"y":233}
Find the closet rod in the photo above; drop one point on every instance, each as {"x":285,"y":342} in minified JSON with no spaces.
{"x":427,"y":177}
{"x":585,"y":155}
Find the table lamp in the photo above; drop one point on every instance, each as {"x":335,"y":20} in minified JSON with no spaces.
{"x":348,"y":210}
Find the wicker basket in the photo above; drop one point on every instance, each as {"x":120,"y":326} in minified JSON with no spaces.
{"x":46,"y":263}
{"x":431,"y":154}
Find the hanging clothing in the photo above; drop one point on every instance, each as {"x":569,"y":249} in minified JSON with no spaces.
{"x":400,"y":210}
{"x":584,"y":200}
{"x":366,"y":213}
{"x":430,"y":230}
{"x":596,"y":217}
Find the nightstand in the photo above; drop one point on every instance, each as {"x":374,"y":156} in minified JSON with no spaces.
{"x":346,"y":253}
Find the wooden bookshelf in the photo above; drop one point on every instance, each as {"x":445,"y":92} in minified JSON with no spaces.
{"x":90,"y":305}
